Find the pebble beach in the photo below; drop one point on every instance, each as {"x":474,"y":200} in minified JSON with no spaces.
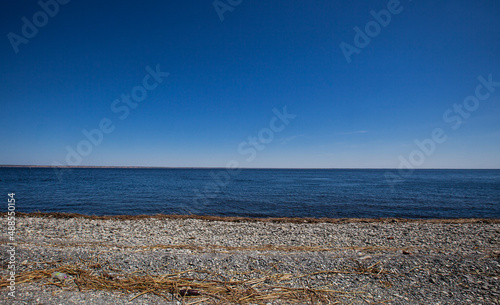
{"x":204,"y":260}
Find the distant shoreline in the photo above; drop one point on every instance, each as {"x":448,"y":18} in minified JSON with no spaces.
{"x":221,"y":167}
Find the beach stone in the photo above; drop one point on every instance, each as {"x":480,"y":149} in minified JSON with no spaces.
{"x":452,"y":262}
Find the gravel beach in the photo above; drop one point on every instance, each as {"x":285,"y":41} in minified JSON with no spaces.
{"x":348,"y":261}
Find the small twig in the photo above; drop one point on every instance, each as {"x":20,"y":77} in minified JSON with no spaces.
{"x":144,"y":292}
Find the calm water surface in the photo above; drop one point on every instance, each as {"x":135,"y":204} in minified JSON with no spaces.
{"x":256,"y":192}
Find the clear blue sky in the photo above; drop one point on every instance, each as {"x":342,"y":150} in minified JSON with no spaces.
{"x":227,"y":76}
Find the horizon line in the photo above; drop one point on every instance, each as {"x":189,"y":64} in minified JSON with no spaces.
{"x":221,"y":167}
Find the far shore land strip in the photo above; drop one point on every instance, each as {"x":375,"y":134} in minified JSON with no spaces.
{"x":221,"y":167}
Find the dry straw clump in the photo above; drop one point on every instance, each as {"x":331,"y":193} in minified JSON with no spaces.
{"x":256,"y":219}
{"x":197,"y":286}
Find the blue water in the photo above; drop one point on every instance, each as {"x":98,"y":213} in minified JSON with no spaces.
{"x":256,"y":192}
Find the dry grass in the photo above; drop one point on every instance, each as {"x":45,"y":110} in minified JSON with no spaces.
{"x":199,"y":286}
{"x":211,"y":248}
{"x":252,"y":219}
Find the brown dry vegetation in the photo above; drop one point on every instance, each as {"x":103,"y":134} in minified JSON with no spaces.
{"x":252,"y":219}
{"x":197,"y":286}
